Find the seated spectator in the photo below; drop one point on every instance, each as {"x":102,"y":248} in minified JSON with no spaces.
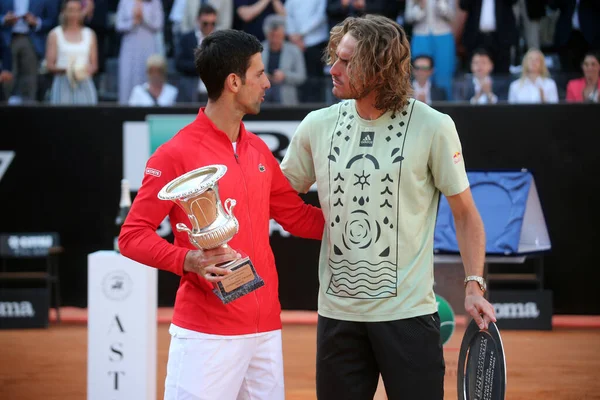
{"x":425,"y":90}
{"x":586,"y":89}
{"x":535,"y":84}
{"x":156,"y":91}
{"x":284,"y":63}
{"x":72,"y":58}
{"x":480,"y":88}
{"x":191,"y":88}
{"x":432,"y":35}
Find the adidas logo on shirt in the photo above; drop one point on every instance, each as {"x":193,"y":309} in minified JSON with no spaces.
{"x":366,"y":139}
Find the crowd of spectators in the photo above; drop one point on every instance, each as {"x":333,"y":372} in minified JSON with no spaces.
{"x":140,"y":52}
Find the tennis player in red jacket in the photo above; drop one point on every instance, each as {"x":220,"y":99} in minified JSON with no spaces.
{"x":217,"y":351}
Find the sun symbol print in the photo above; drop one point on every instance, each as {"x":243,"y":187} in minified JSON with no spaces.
{"x":362,"y":180}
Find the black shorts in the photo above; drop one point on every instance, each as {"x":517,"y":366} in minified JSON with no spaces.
{"x":408,"y":354}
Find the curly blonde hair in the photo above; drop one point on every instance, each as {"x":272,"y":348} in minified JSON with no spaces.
{"x":381,"y":59}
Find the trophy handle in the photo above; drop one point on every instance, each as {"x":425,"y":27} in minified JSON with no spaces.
{"x":229,"y":204}
{"x":182,"y":228}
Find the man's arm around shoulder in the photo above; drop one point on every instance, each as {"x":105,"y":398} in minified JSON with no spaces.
{"x":298,"y":164}
{"x":288,"y":208}
{"x":292,"y":213}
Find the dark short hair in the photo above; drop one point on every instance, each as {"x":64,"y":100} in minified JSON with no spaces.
{"x":222,"y":53}
{"x":65,"y":2}
{"x":424,"y":57}
{"x":481,"y":52}
{"x":592,"y":53}
{"x":206,"y":9}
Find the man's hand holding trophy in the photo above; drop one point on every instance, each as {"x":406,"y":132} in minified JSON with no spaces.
{"x":212,"y":226}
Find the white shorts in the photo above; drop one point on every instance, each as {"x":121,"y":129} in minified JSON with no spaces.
{"x":210,"y":367}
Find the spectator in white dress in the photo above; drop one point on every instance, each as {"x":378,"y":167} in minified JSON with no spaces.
{"x":535,"y":84}
{"x":72,"y":57}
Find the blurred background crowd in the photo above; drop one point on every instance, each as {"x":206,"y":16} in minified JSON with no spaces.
{"x":140,"y":52}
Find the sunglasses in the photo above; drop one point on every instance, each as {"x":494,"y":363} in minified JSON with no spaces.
{"x":421,"y":68}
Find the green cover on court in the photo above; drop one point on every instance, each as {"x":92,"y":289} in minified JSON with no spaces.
{"x":447,"y":320}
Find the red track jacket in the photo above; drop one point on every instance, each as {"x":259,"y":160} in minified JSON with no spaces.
{"x":255,"y":181}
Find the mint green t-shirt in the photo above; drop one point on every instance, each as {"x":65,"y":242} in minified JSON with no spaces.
{"x":378,"y":184}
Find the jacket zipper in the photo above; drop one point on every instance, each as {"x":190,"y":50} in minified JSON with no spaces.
{"x":251,"y":235}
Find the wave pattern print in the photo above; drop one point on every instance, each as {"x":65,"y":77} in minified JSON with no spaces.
{"x":364,"y":167}
{"x":363,"y":279}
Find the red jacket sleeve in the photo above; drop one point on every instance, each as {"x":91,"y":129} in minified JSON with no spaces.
{"x":138,"y":239}
{"x":290,"y":210}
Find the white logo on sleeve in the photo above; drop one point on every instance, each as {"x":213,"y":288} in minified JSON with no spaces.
{"x":152,"y":171}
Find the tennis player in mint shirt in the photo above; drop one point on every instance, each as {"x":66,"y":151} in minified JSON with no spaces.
{"x":380,"y":160}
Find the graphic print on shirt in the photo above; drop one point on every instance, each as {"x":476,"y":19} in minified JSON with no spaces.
{"x":364,"y":179}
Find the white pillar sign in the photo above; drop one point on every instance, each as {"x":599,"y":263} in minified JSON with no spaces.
{"x":122,"y":306}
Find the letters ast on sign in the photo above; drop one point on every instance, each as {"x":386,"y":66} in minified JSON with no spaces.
{"x":116,"y":353}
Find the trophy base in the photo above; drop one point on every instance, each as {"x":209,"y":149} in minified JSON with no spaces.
{"x":240,"y":282}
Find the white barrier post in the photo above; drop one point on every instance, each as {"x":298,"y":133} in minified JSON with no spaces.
{"x":122,"y":306}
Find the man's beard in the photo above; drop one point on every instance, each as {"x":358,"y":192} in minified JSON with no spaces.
{"x":356,"y":93}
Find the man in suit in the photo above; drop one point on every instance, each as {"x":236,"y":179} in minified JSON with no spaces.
{"x":490,"y":24}
{"x":191,"y":89}
{"x":284,"y":63}
{"x":424,"y":89}
{"x":25,"y":25}
{"x":577,"y":31}
{"x":224,"y":9}
{"x":481,"y":88}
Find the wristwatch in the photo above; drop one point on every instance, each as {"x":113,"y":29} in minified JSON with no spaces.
{"x":477,"y":279}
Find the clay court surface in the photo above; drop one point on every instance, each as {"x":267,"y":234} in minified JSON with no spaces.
{"x":50,"y":364}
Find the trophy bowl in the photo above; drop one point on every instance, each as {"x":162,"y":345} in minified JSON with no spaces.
{"x":212,"y":225}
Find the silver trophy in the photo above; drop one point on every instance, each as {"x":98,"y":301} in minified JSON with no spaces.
{"x":212,"y":225}
{"x":481,"y":364}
